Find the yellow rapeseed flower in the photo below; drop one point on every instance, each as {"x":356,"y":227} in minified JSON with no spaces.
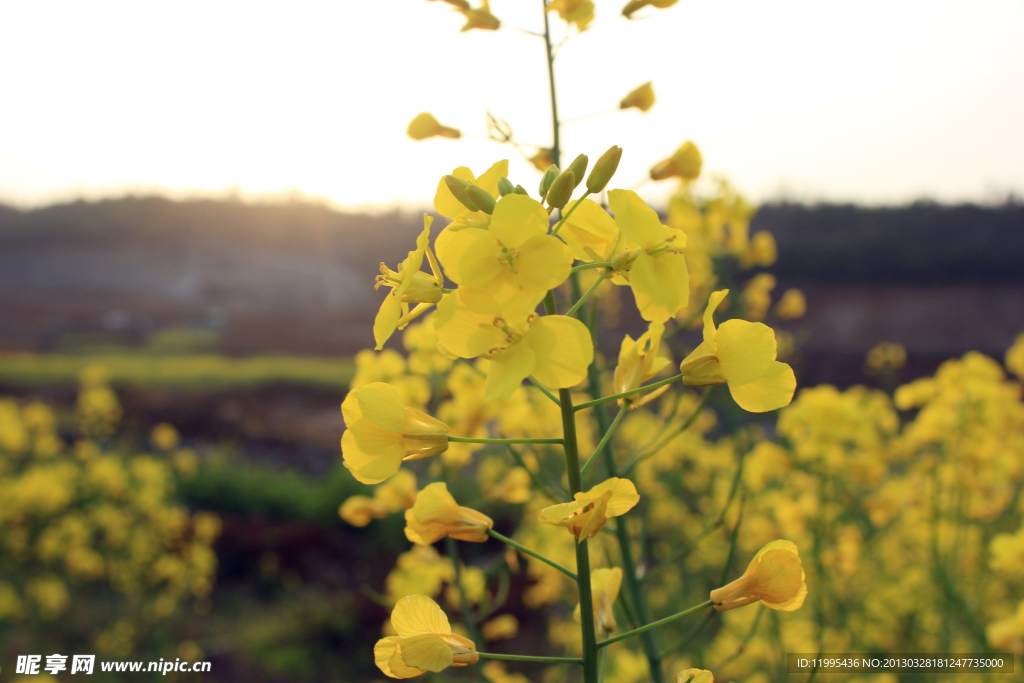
{"x":436,"y":515}
{"x":480,"y":18}
{"x":791,"y":305}
{"x":604,"y":585}
{"x":425,"y":641}
{"x":639,"y":362}
{"x":775,"y":578}
{"x":634,"y":5}
{"x":685,"y":164}
{"x":695,"y":676}
{"x":555,"y":349}
{"x":655,"y":267}
{"x":425,"y":126}
{"x":382,"y":432}
{"x":408,"y":285}
{"x":1015,"y":357}
{"x":591,"y":233}
{"x":514,"y":260}
{"x":641,"y":98}
{"x":579,"y":12}
{"x":741,"y":354}
{"x":590,"y":510}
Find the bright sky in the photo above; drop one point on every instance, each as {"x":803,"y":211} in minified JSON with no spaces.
{"x":878,"y":101}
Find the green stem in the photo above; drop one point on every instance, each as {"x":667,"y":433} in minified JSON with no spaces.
{"x":451,"y":546}
{"x":585,"y":296}
{"x":631,"y":392}
{"x":530,"y":658}
{"x":532,"y":553}
{"x":466,"y":439}
{"x":633,"y":587}
{"x":543,"y":389}
{"x":572,"y":465}
{"x":565,"y":216}
{"x":588,"y":266}
{"x":604,"y":439}
{"x":556,"y":147}
{"x":655,"y":624}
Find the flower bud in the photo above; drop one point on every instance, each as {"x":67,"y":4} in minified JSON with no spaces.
{"x":426,"y":126}
{"x":481,"y":197}
{"x":522,"y":190}
{"x":561,"y":189}
{"x":505,"y":186}
{"x":579,"y":168}
{"x":604,"y":169}
{"x":458,"y":187}
{"x":549,"y":177}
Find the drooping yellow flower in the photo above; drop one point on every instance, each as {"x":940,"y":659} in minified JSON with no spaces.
{"x":775,"y":578}
{"x":382,"y":432}
{"x":695,"y":676}
{"x":634,"y":5}
{"x":685,"y":164}
{"x":542,"y":159}
{"x":361,"y":510}
{"x":408,"y":285}
{"x":639,"y":362}
{"x":514,"y":260}
{"x":554,"y":349}
{"x":604,"y":586}
{"x":397,"y":493}
{"x":436,"y":515}
{"x":592,"y":509}
{"x":741,"y":354}
{"x":425,"y":641}
{"x":655,"y":267}
{"x":641,"y":98}
{"x":425,"y":126}
{"x":579,"y":12}
{"x":480,"y":18}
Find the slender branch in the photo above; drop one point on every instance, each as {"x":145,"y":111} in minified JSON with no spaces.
{"x":680,"y":644}
{"x":556,"y":147}
{"x":541,"y":485}
{"x":604,"y":439}
{"x":631,"y":392}
{"x":655,"y":624}
{"x":564,"y":217}
{"x":586,"y":295}
{"x":530,"y":658}
{"x":532,"y":553}
{"x":466,"y":439}
{"x":544,"y":389}
{"x":588,"y":266}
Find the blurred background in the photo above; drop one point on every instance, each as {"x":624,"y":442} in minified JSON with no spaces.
{"x":195,"y":198}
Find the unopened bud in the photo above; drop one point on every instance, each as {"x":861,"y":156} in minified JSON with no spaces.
{"x":458,"y":188}
{"x":505,"y":186}
{"x":549,"y":177}
{"x":521,"y":190}
{"x":561,"y":189}
{"x":621,"y":261}
{"x":604,"y":169}
{"x":579,"y":168}
{"x":481,"y":197}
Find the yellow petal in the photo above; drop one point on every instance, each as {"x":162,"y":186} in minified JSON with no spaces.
{"x":596,"y":518}
{"x":508,"y":370}
{"x":745,"y":350}
{"x":382,"y":404}
{"x":370,"y":468}
{"x":445,"y":202}
{"x":488,"y":180}
{"x":661,"y":285}
{"x":709,"y":321}
{"x":771,"y":391}
{"x":635,"y":219}
{"x":517,"y":218}
{"x":427,"y":652}
{"x":624,"y":495}
{"x":434,"y":504}
{"x":386,"y":322}
{"x":479,"y":256}
{"x":414,"y":260}
{"x":589,"y":231}
{"x":500,"y":297}
{"x":544,"y":262}
{"x":463,"y":332}
{"x":417,"y":614}
{"x":383,"y":653}
{"x":781,"y":580}
{"x":563,"y":350}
